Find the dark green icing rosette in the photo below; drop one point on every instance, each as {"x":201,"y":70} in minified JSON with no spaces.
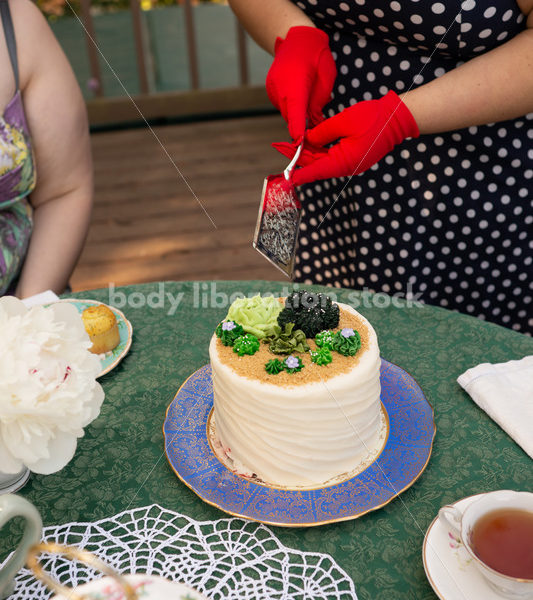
{"x":228,"y":332}
{"x":347,"y":341}
{"x":322,"y":356}
{"x":310,"y":312}
{"x":293,"y":364}
{"x":246,"y":344}
{"x":287,"y":340}
{"x":324,"y":339}
{"x":274,"y":366}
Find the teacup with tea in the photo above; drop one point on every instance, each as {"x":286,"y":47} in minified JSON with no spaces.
{"x":497,"y":531}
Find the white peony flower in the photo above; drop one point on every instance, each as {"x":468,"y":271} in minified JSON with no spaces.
{"x":48,"y":387}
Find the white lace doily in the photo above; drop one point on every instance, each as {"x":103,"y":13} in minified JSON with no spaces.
{"x":227,"y":559}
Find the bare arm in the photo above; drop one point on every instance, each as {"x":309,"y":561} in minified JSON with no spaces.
{"x":495,"y":86}
{"x":265,"y":20}
{"x":57,"y":119}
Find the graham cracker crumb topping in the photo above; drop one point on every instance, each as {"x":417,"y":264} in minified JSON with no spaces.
{"x":253,"y":367}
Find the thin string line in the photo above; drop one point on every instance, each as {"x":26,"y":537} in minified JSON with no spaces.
{"x":199,"y":397}
{"x":141,"y":114}
{"x":389,"y":482}
{"x":72,"y":592}
{"x":390,"y":117}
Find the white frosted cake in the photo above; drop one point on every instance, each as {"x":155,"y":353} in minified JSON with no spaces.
{"x":292,"y":419}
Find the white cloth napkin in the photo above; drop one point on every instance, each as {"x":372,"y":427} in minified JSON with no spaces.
{"x":505,"y":392}
{"x":42,"y":298}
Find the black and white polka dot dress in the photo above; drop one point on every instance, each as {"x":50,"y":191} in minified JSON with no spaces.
{"x":447,"y":218}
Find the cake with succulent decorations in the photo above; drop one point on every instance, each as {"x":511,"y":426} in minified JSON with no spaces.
{"x":296,"y":389}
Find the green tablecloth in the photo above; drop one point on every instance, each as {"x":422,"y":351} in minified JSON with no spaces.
{"x":120,"y":463}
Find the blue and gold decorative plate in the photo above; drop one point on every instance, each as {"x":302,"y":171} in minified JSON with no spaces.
{"x":402,"y":460}
{"x":109,"y":360}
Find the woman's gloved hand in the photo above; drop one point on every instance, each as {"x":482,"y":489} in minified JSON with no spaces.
{"x":366,"y":131}
{"x":301,"y":78}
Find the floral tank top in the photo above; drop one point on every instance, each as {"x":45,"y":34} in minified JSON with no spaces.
{"x":17,"y":174}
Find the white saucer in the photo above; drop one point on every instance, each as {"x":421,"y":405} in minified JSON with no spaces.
{"x":449,"y":568}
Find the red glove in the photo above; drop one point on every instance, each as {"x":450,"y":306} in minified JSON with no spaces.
{"x":367,"y":131}
{"x":301,"y":77}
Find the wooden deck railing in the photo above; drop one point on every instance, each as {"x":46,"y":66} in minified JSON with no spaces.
{"x":152,"y":105}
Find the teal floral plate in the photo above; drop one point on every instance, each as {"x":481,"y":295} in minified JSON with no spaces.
{"x":402,"y":460}
{"x":109,"y":360}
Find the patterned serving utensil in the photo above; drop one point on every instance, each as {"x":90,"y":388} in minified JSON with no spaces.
{"x":278,"y":219}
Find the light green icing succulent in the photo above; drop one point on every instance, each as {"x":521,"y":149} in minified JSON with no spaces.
{"x":286,"y":340}
{"x":256,"y":315}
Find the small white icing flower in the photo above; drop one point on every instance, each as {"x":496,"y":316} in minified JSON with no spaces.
{"x":347,"y":332}
{"x":292,"y":362}
{"x":48,"y":387}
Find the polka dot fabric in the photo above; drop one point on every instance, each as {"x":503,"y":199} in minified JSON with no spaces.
{"x":446,"y":218}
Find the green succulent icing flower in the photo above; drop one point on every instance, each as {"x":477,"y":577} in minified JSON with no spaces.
{"x":228,"y":332}
{"x":246,"y":344}
{"x":274,"y":366}
{"x":322,"y":356}
{"x":293,"y":364}
{"x":347,"y":342}
{"x":324,"y":339}
{"x":286,"y":340}
{"x":257,"y":315}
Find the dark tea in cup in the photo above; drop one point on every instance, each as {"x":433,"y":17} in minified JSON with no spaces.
{"x":497,"y":531}
{"x":503,"y":540}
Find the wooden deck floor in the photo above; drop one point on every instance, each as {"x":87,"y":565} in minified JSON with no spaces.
{"x":147,"y":224}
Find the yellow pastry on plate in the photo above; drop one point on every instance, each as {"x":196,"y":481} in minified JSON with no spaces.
{"x":101,"y":325}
